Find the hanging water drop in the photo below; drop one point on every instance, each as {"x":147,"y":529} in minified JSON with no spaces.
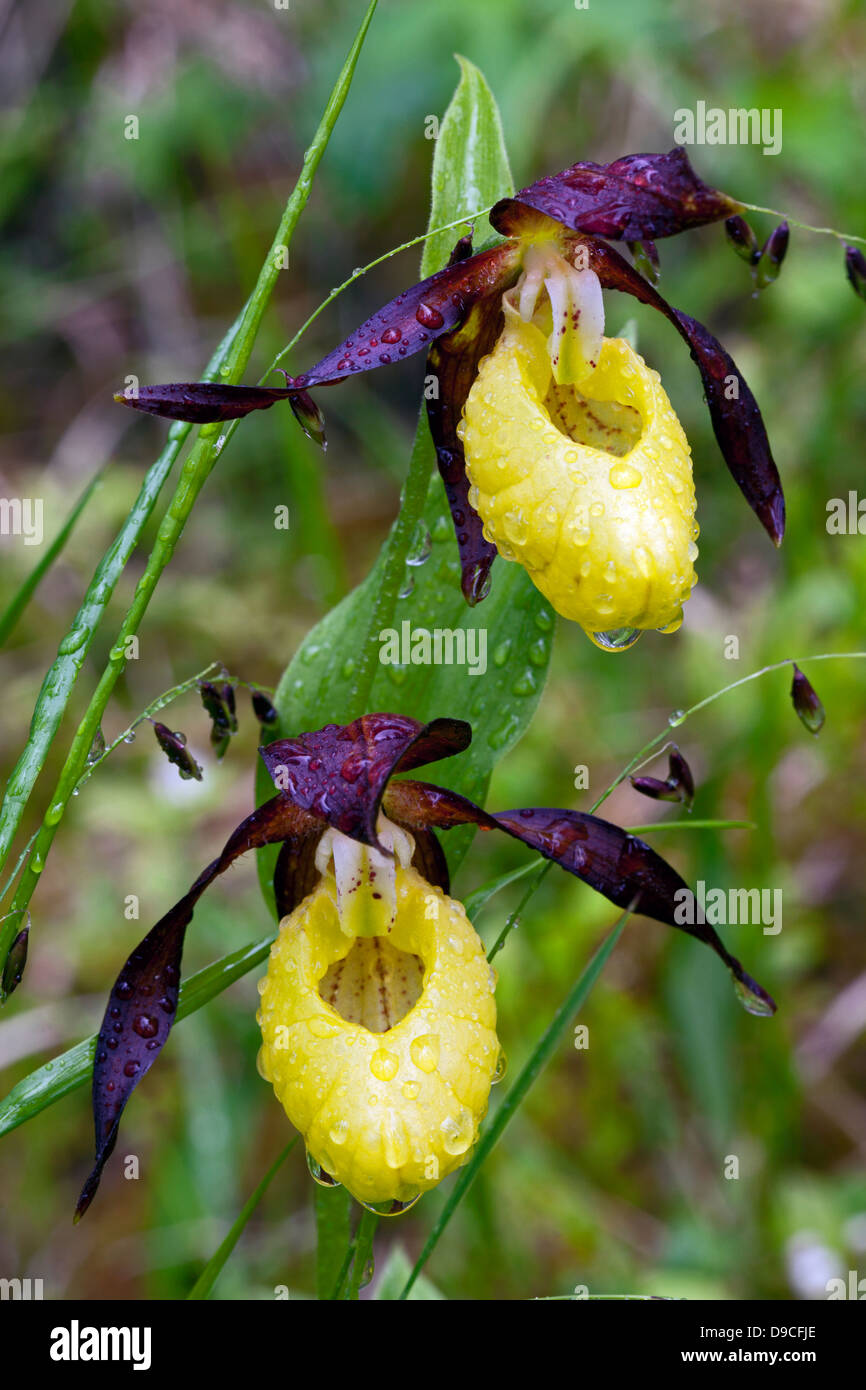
{"x":422,"y":544}
{"x":318,"y":1174}
{"x":97,"y":748}
{"x":617,"y":639}
{"x":753,"y":1000}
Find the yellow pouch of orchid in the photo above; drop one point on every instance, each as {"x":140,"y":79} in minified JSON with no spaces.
{"x":588,"y":486}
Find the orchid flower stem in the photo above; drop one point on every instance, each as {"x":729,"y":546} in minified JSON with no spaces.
{"x":232,"y":359}
{"x":804,"y":226}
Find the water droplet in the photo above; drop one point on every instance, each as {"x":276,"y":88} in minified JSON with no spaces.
{"x":407,"y":588}
{"x":52,"y":816}
{"x":752,"y":1001}
{"x":544,"y":619}
{"x":411,"y":1089}
{"x":500,"y":656}
{"x":146,"y":1026}
{"x":505,"y":732}
{"x":97,"y":747}
{"x":616,"y":639}
{"x":674,"y":625}
{"x":458,"y":1132}
{"x":623,"y":475}
{"x":428,"y":316}
{"x":131,"y":1068}
{"x":501,"y":1067}
{"x":348,"y":666}
{"x":384,"y":1065}
{"x":538,"y":652}
{"x":318,"y":1174}
{"x":391,"y":335}
{"x":130,"y":737}
{"x":339,"y":1132}
{"x":389,"y":1209}
{"x":424,"y":1052}
{"x":72,"y":641}
{"x":676,"y":718}
{"x":525,"y":684}
{"x":422,"y":544}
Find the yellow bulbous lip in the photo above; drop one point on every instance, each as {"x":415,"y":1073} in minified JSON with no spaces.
{"x":589,"y":488}
{"x":390,"y":1112}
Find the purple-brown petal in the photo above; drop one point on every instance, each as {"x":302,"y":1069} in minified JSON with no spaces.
{"x":616,"y":864}
{"x":639,"y":197}
{"x":453,"y":361}
{"x":339,"y":773}
{"x":203,"y":402}
{"x":143,"y":1001}
{"x":411,"y":321}
{"x":737,"y":422}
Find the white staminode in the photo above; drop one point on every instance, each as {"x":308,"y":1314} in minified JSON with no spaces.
{"x":366,"y":879}
{"x":574,"y":313}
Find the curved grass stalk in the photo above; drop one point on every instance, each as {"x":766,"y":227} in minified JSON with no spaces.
{"x":20,"y":600}
{"x":195,"y":472}
{"x":203,"y":1286}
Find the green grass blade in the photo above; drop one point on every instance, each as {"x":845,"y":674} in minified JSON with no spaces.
{"x":333,"y":1239}
{"x":59,"y":682}
{"x":540,"y":1056}
{"x":203,"y":1286}
{"x":20,"y":600}
{"x":55,"y":1079}
{"x":194,"y":474}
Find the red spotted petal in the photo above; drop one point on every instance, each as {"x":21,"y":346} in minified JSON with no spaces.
{"x":637,"y":198}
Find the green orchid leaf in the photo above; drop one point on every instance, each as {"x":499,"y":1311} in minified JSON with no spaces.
{"x":470,"y":166}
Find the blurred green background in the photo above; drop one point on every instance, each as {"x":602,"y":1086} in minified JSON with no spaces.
{"x":124,"y":256}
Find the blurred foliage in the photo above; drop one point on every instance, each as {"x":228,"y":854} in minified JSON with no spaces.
{"x":131,"y":256}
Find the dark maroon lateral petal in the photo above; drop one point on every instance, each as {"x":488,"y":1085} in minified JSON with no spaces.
{"x":637,"y":198}
{"x":737,"y":422}
{"x":412,"y":320}
{"x":429,"y":859}
{"x":339,"y":773}
{"x":453,"y":360}
{"x":621,"y":867}
{"x":295,"y":872}
{"x":203,"y":402}
{"x":143,"y":999}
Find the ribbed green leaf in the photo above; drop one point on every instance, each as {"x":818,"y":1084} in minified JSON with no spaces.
{"x":470,"y":165}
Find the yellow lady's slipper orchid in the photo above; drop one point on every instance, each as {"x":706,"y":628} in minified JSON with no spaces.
{"x":379,"y":1037}
{"x":588,"y":483}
